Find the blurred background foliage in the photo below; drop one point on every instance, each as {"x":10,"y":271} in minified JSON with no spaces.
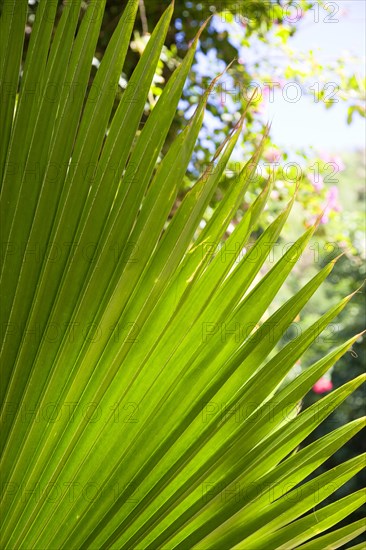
{"x":257,"y":35}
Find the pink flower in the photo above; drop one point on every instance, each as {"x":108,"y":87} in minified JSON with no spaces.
{"x":316,"y":182}
{"x":335,"y":160}
{"x":272,"y":155}
{"x":266,"y":91}
{"x":324,"y":219}
{"x":332,"y":197}
{"x":323,"y":385}
{"x":332,"y":204}
{"x":259,"y":109}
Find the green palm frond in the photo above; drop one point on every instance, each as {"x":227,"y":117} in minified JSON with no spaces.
{"x":143,"y":403}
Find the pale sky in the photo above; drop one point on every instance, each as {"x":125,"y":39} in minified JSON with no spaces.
{"x":312,"y":124}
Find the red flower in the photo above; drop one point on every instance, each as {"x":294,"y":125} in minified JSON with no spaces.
{"x":323,"y":385}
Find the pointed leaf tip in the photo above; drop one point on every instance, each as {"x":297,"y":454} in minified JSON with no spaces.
{"x":217,"y":77}
{"x":335,"y":260}
{"x":350,"y":296}
{"x":319,"y":219}
{"x":193,"y":43}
